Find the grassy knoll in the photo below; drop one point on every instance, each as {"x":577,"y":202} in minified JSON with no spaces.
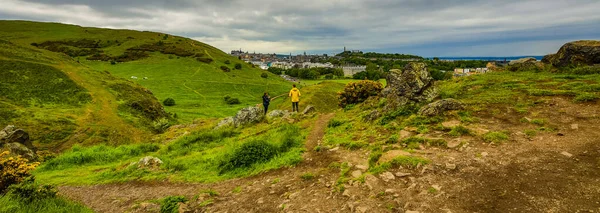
{"x":180,"y":68}
{"x":202,"y":156}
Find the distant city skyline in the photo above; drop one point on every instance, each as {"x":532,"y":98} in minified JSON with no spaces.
{"x":426,"y":28}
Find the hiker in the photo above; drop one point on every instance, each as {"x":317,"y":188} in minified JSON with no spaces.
{"x":266,"y":101}
{"x":295,"y":94}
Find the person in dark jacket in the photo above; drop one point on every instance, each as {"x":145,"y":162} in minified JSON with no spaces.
{"x":266,"y":101}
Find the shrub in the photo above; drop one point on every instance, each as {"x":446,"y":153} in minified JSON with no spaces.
{"x":238,"y":66}
{"x":329,"y":76}
{"x":169,"y":102}
{"x":161,"y":125}
{"x":248,"y":154}
{"x":13,"y":170}
{"x":205,"y":60}
{"x":28,"y":190}
{"x":264,"y":75}
{"x":358,"y":92}
{"x":171,"y":204}
{"x":585,"y":97}
{"x":227,"y":62}
{"x":495,"y":137}
{"x":113,"y":62}
{"x":225,"y":69}
{"x":232,"y":101}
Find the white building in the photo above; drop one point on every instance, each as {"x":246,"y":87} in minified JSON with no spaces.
{"x":351,"y":70}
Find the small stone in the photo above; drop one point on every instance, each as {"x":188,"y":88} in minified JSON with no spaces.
{"x":387,"y":176}
{"x":260,"y":201}
{"x":362,"y":209}
{"x":484,"y":154}
{"x":401,"y":174}
{"x":574,"y":126}
{"x":334,"y":149}
{"x":409,"y":211}
{"x":454,"y":143}
{"x":346,"y":193}
{"x":390,"y":191}
{"x":566,"y":154}
{"x":362,"y":167}
{"x":436,"y":187}
{"x":450,"y":166}
{"x":293,"y":195}
{"x":356,"y":173}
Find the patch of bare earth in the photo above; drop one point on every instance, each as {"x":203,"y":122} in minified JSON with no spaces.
{"x":554,"y":171}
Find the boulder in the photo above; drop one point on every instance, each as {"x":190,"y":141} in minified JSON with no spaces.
{"x":278,"y":113}
{"x":585,"y":52}
{"x":149,"y":162}
{"x":248,"y":115}
{"x":22,"y":150}
{"x":308,"y":109}
{"x":522,"y":61}
{"x":410,"y":85}
{"x":439,"y":107}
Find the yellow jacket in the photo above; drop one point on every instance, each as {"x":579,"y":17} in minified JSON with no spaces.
{"x":295,"y":94}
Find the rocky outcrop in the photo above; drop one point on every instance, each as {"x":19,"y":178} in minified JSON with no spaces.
{"x":439,"y":107}
{"x":18,"y":142}
{"x":523,"y":60}
{"x":413,"y":84}
{"x":245,"y":116}
{"x":278,"y":113}
{"x":149,"y":162}
{"x":586,"y":52}
{"x":308,"y":109}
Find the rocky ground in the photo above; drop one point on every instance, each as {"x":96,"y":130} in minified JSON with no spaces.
{"x":552,"y":172}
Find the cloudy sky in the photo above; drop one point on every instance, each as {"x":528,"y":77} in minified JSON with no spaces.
{"x":422,"y":27}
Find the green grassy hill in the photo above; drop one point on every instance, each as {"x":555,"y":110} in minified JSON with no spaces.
{"x":175,"y":67}
{"x":67,"y":84}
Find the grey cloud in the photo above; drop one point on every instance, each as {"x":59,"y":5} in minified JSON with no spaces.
{"x":323,"y":26}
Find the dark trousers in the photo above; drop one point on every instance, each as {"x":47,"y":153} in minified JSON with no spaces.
{"x":266,"y":108}
{"x":294,"y":106}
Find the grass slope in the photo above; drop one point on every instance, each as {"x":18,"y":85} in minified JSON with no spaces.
{"x":197,"y":87}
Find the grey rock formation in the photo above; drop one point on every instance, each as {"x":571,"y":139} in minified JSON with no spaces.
{"x":18,"y":142}
{"x":523,"y":60}
{"x":575,"y":53}
{"x":439,"y":107}
{"x":245,"y":116}
{"x":413,"y":84}
{"x":278,"y":113}
{"x":22,"y":150}
{"x":308,"y":109}
{"x":149,"y":162}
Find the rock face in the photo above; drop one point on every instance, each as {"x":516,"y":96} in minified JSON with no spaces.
{"x":245,"y":116}
{"x":523,"y":60}
{"x":413,"y":84}
{"x":584,"y":52}
{"x":17,"y":141}
{"x":149,"y":162}
{"x":439,"y":107}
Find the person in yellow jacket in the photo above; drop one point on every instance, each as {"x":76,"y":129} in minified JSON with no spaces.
{"x":295,"y":95}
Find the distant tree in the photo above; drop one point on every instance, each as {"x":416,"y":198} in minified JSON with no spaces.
{"x":238,"y":66}
{"x":329,"y":76}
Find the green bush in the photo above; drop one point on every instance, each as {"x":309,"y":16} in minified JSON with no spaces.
{"x":585,"y":97}
{"x":248,"y":154}
{"x":232,"y":101}
{"x":264,"y":75}
{"x":169,"y":102}
{"x":29,"y":191}
{"x":238,"y":66}
{"x":227,"y":62}
{"x":358,"y":92}
{"x":329,"y":76}
{"x":171,"y":204}
{"x":225,"y":69}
